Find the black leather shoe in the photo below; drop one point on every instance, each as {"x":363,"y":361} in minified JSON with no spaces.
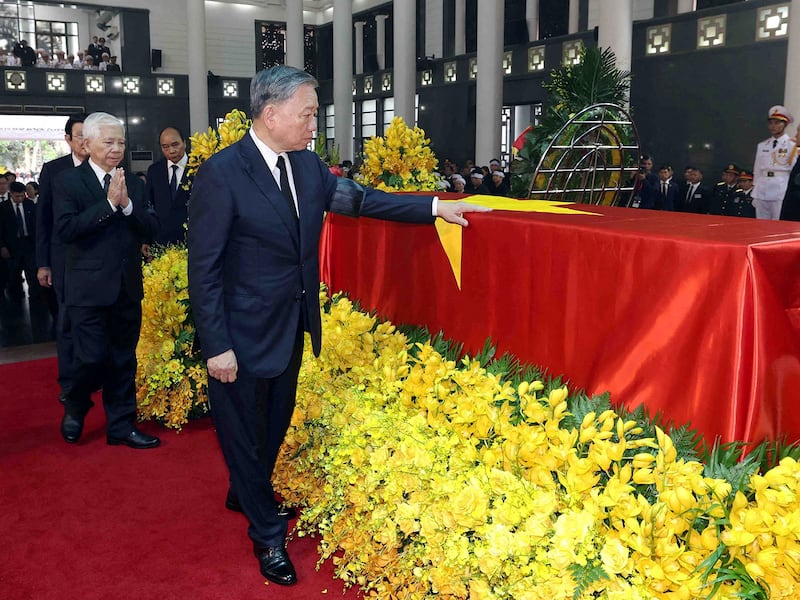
{"x":275,"y":565}
{"x":285,"y":512}
{"x":71,"y":428}
{"x":135,"y":439}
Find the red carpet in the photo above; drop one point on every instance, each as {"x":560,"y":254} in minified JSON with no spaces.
{"x":96,"y":521}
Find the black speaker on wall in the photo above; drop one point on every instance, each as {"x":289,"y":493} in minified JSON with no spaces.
{"x":155,"y":59}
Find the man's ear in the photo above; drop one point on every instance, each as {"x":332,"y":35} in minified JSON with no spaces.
{"x":268,"y":115}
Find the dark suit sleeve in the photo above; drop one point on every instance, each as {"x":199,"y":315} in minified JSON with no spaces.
{"x":73,"y":219}
{"x":374,"y":203}
{"x":143,"y":218}
{"x":211,"y":217}
{"x":44,"y":217}
{"x":5,"y":224}
{"x":149,"y":196}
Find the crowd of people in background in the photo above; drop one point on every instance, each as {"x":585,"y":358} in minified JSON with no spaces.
{"x":771,"y":190}
{"x":97,"y":57}
{"x":765,"y":192}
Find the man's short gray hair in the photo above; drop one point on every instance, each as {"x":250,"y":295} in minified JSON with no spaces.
{"x":275,"y":85}
{"x":96,"y":121}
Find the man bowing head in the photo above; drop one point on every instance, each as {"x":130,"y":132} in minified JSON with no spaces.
{"x":254,"y":225}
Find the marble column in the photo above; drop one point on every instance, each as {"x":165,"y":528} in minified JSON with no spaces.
{"x":434,"y":44}
{"x":460,"y":46}
{"x":532,"y":19}
{"x":405,"y":60}
{"x":295,"y":55}
{"x":615,"y":30}
{"x":198,"y":67}
{"x":343,"y":77}
{"x":489,"y":84}
{"x":359,"y":27}
{"x":380,"y":35}
{"x":574,"y":16}
{"x":791,"y":93}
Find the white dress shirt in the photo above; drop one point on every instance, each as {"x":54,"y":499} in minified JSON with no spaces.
{"x":181,"y":168}
{"x":271,"y":158}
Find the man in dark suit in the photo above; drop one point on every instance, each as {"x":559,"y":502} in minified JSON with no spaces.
{"x":18,"y":229}
{"x":5,"y":197}
{"x":667,"y":195}
{"x":645,"y":184}
{"x":101,"y":217}
{"x":254,"y":224}
{"x":164,"y":190}
{"x":50,"y":250}
{"x":693,"y":196}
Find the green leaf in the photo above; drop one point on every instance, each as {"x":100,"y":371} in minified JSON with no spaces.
{"x":585,"y":576}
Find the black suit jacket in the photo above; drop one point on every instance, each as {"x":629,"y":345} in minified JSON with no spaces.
{"x":172,"y":214}
{"x":103,"y":245}
{"x":49,"y":248}
{"x":698,"y":203}
{"x":8,"y":225}
{"x":250,"y":260}
{"x":669,"y":200}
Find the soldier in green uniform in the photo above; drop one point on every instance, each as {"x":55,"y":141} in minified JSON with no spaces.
{"x":725,"y":192}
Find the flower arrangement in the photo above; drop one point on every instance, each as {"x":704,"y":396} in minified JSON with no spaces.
{"x":426,"y":477}
{"x":403,"y":160}
{"x":204,"y":145}
{"x":171,"y":378}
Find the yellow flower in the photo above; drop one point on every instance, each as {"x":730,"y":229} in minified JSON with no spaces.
{"x":401,"y":160}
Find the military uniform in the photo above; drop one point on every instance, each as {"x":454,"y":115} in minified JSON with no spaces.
{"x":775,"y":158}
{"x":742,"y":205}
{"x":723,"y":196}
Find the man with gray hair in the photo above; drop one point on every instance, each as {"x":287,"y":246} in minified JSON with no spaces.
{"x":101,"y":218}
{"x":255,"y":219}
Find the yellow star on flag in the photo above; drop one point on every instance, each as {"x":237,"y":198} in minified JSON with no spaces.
{"x":450,"y":233}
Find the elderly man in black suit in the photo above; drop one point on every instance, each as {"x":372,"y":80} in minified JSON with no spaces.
{"x":101,"y":217}
{"x":164,"y":190}
{"x":49,"y":249}
{"x":17,"y":232}
{"x":254,"y":225}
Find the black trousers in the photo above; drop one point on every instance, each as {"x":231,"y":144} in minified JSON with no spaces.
{"x":64,"y":349}
{"x":251,"y":416}
{"x":105,"y":339}
{"x":23,"y":260}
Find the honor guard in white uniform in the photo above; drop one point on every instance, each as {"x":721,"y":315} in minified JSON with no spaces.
{"x":775,"y":158}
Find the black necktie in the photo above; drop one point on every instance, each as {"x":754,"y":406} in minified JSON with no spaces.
{"x":20,"y":222}
{"x":664,"y":189}
{"x":106,"y":183}
{"x":285,"y":187}
{"x":173,"y":183}
{"x":774,"y":143}
{"x":689,"y":193}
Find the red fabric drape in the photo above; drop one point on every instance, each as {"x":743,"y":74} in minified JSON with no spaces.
{"x":693,"y":315}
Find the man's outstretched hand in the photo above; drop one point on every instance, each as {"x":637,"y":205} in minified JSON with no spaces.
{"x":453,"y":212}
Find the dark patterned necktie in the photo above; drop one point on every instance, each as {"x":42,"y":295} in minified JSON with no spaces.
{"x":20,"y":221}
{"x":173,"y":183}
{"x":286,"y":189}
{"x":106,"y":183}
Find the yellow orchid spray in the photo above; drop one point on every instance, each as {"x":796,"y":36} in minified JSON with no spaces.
{"x":206,"y":144}
{"x":400,"y":161}
{"x":425,"y":476}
